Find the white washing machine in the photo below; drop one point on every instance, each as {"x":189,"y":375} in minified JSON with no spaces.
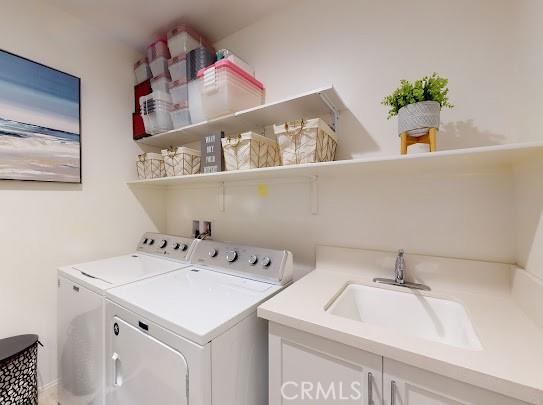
{"x":81,"y":310}
{"x":192,"y":336}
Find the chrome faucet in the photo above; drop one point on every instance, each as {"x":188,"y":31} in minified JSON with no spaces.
{"x":399,"y":275}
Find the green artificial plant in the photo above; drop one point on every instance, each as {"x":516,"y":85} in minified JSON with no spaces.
{"x":429,"y":88}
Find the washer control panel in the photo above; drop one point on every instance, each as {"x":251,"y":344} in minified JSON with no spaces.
{"x":175,"y":247}
{"x":268,"y":265}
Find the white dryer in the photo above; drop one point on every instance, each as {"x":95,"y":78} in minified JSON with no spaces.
{"x":81,"y":310}
{"x":192,"y":336}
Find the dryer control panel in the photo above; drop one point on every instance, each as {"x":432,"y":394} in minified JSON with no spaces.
{"x":171,"y":246}
{"x":261,"y":264}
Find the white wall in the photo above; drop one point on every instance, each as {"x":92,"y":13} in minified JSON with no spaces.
{"x":364,"y":48}
{"x":44,"y":226}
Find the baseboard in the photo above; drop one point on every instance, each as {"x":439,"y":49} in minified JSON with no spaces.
{"x":48,"y":388}
{"x":527,"y":290}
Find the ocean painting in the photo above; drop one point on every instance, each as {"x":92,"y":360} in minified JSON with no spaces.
{"x":39,"y":122}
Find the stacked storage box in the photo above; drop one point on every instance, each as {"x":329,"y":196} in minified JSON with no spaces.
{"x":250,"y":151}
{"x":155,"y":111}
{"x":226,"y":88}
{"x":181,"y":161}
{"x":150,"y":166}
{"x":141,"y":89}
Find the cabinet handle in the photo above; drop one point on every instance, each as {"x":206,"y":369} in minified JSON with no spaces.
{"x":393,"y":393}
{"x":370,"y":389}
{"x":117,"y":378}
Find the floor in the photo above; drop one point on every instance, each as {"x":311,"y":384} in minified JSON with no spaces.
{"x":48,"y":397}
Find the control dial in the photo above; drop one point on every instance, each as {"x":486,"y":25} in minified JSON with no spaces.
{"x":252,"y":260}
{"x":180,"y":246}
{"x":266,"y":261}
{"x":151,"y":241}
{"x":163,"y":243}
{"x":231,"y":256}
{"x":213,"y":252}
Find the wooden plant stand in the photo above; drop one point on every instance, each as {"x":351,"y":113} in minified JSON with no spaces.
{"x":428,"y":139}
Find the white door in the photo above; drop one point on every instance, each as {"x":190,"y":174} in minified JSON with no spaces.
{"x":309,"y":370}
{"x":142,"y":370}
{"x":407,"y":385}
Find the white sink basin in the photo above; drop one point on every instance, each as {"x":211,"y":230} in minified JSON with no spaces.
{"x":408,"y":313}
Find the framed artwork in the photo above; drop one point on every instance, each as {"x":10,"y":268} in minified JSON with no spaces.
{"x":40,"y":122}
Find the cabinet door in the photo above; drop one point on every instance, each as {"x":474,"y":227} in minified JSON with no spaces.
{"x":306,"y":369}
{"x":407,"y":385}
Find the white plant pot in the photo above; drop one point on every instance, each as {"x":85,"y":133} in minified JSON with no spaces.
{"x":415,"y":119}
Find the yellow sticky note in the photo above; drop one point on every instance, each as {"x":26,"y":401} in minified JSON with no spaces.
{"x":262,"y":190}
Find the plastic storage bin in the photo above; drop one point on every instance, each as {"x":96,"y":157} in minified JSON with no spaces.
{"x":179,"y":92}
{"x":181,"y":161}
{"x":180,"y":116}
{"x":178,"y":67}
{"x":250,"y":151}
{"x":155,"y":111}
{"x":183,"y":39}
{"x":195,"y":102}
{"x":308,"y":141}
{"x":150,"y":166}
{"x":226,"y":54}
{"x":159,"y":48}
{"x":197,"y":59}
{"x":161,"y":83}
{"x":142,"y":71}
{"x":226,"y":88}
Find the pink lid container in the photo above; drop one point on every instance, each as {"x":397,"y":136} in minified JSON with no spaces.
{"x":140,"y":62}
{"x":165,"y":75}
{"x":157,"y":49}
{"x":233,"y":68}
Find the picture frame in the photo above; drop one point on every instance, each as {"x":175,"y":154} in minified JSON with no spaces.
{"x":40,"y":122}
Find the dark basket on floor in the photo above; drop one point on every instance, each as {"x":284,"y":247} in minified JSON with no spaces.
{"x":18,"y":370}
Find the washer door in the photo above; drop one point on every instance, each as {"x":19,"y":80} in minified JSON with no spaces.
{"x":143,"y":370}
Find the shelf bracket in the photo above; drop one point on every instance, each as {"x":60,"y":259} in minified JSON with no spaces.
{"x":220,"y":196}
{"x":314,"y":195}
{"x":333,"y":110}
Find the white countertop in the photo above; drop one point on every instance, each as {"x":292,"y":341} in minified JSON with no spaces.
{"x":511,"y":361}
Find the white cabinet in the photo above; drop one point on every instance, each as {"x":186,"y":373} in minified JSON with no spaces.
{"x":307,"y":369}
{"x":407,"y":385}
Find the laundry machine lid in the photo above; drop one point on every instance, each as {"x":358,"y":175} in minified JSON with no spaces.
{"x":198,"y":304}
{"x":107,"y":273}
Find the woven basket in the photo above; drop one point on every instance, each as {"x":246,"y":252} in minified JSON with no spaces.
{"x":181,"y":161}
{"x":150,"y":166}
{"x":250,"y":151}
{"x":308,"y":141}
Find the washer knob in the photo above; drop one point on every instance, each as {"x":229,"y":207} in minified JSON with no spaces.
{"x":145,"y":241}
{"x":180,"y":246}
{"x":151,"y":241}
{"x":163,"y":243}
{"x":266,"y":261}
{"x":183,"y":247}
{"x":252,"y":260}
{"x":213,"y":252}
{"x":231,"y":256}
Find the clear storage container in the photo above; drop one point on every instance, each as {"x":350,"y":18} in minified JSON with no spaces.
{"x":250,"y":151}
{"x":179,"y":92}
{"x":150,"y":166}
{"x":142,"y":71}
{"x":226,"y":88}
{"x":181,"y":161}
{"x":195,"y":102}
{"x":183,"y":39}
{"x":155,"y":111}
{"x":304,"y":141}
{"x":180,"y":116}
{"x":159,"y":48}
{"x":161,"y":83}
{"x":178,"y":67}
{"x":226,"y":54}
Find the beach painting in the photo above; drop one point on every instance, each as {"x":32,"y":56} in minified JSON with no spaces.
{"x":39,"y":122}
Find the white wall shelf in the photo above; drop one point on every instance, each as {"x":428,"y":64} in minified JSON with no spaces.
{"x":315,"y":103}
{"x":450,"y":161}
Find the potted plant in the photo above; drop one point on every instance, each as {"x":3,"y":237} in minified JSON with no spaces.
{"x":418,"y":105}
